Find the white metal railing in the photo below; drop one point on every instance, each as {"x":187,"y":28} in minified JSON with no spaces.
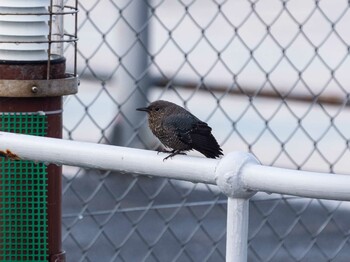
{"x":238,"y":175}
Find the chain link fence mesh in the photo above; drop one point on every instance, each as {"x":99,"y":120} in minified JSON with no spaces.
{"x":270,"y":77}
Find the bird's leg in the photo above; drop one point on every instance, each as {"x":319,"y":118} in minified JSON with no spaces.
{"x":174,"y":153}
{"x":163,"y":150}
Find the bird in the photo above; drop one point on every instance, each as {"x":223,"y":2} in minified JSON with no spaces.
{"x":179,"y":130}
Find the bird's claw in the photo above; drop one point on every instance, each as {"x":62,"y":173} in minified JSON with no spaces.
{"x":174,"y":153}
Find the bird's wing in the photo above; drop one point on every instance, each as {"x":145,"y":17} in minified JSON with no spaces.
{"x":189,"y":129}
{"x":195,"y":133}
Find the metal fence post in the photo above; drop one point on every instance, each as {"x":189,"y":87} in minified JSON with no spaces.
{"x":237,"y":229}
{"x":133,"y":77}
{"x":228,"y":179}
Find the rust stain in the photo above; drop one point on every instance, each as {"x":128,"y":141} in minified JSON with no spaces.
{"x":9,"y":155}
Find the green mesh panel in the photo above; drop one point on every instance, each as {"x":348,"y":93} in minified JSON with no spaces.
{"x":31,"y":124}
{"x":23,"y":197}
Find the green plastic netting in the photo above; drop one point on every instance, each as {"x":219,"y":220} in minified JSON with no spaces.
{"x":23,"y":197}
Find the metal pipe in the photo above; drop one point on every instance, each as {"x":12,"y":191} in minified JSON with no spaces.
{"x":245,"y":178}
{"x":237,"y":229}
{"x":98,"y":156}
{"x":296,"y":182}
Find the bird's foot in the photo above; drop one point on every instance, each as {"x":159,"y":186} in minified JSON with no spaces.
{"x":174,"y":153}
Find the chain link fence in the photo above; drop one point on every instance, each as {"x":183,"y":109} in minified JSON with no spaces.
{"x":271,"y":77}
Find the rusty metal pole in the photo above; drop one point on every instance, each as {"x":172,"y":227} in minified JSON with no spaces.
{"x":52,"y":107}
{"x":35,"y":87}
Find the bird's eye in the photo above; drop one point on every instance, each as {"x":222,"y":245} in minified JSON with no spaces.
{"x":157,"y":109}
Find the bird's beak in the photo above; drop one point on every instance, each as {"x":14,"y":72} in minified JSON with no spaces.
{"x":146,"y":109}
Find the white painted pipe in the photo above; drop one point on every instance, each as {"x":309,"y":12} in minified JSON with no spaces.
{"x":237,"y":229}
{"x":244,"y":176}
{"x":296,"y":182}
{"x":106,"y":157}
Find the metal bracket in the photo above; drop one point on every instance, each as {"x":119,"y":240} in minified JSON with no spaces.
{"x":39,"y":88}
{"x":228,"y":174}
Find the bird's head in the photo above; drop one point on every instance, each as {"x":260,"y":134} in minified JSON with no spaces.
{"x":157,"y":108}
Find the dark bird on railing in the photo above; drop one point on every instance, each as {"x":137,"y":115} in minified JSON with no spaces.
{"x":179,"y":130}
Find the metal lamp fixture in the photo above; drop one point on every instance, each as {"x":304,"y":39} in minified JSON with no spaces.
{"x":33,"y":39}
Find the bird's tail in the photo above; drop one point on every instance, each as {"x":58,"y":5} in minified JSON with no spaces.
{"x":207,"y":145}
